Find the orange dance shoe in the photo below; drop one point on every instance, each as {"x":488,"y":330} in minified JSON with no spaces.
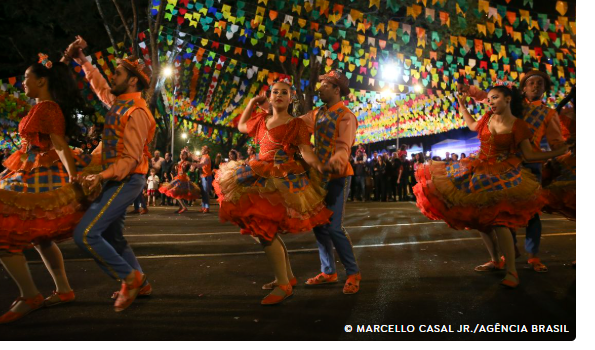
{"x":129,"y":292}
{"x":272,"y":299}
{"x":59,"y":298}
{"x":34,"y":303}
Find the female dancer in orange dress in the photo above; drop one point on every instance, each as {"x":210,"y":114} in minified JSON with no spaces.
{"x":492,"y":191}
{"x":181,"y":187}
{"x":274,"y":193}
{"x":39,"y":203}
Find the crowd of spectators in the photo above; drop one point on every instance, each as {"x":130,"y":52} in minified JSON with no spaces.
{"x":387,"y":176}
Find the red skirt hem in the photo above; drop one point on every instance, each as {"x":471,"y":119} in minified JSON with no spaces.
{"x":256,"y":216}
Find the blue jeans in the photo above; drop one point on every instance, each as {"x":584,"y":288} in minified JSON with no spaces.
{"x":140,"y":201}
{"x":100,"y":232}
{"x":533,"y":232}
{"x":205,"y":189}
{"x":360,"y":187}
{"x":334,"y":234}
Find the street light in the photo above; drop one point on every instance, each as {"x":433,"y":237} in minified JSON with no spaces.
{"x":418,"y":88}
{"x":390,"y":72}
{"x":184,"y":136}
{"x":168,"y":72}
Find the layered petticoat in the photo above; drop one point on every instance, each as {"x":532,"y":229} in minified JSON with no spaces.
{"x":181,"y":188}
{"x":269,"y":197}
{"x":36,"y":200}
{"x":477,"y":194}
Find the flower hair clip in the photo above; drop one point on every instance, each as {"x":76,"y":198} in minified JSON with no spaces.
{"x":43,"y":59}
{"x":508,"y":84}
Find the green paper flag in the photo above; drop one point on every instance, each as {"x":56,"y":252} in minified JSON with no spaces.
{"x":462,"y":22}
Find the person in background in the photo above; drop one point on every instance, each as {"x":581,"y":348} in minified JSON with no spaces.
{"x":359,"y":170}
{"x":463,"y":156}
{"x":393,"y":176}
{"x":181,"y":188}
{"x":403,"y":178}
{"x":252,"y":153}
{"x":5,"y":154}
{"x":206,"y":177}
{"x":152,"y":186}
{"x":373,"y":172}
{"x":166,"y":176}
{"x":233,"y":155}
{"x":454,"y":157}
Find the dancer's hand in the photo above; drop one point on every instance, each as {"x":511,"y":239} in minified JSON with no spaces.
{"x":333,"y":166}
{"x":462,"y":88}
{"x":76,"y":178}
{"x":81,"y":42}
{"x":92,"y":181}
{"x":261,"y":98}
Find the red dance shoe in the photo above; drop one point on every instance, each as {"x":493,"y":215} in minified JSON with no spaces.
{"x":322,"y":278}
{"x":272,"y":299}
{"x":34,"y":303}
{"x":143,"y":292}
{"x":491,"y":266}
{"x":59,"y":298}
{"x":352,"y":284}
{"x":513,"y":280}
{"x":272,"y":285}
{"x":183,"y":210}
{"x":144,"y":211}
{"x":129,"y":292}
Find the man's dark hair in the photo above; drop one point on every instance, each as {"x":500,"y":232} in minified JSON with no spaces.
{"x":140,"y":86}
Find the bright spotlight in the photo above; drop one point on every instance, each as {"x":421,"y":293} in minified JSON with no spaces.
{"x":167,"y":71}
{"x":418,"y":88}
{"x":387,"y":93}
{"x":390,"y":72}
{"x":197,"y":153}
{"x":184,"y":136}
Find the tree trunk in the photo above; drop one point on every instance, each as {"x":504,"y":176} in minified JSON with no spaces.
{"x":128,"y":34}
{"x":134,"y":28}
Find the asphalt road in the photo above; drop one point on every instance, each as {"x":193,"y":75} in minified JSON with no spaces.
{"x":207,"y":284}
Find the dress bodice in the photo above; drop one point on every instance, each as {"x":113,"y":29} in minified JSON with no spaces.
{"x":496,"y":147}
{"x":43,"y":119}
{"x":36,"y":150}
{"x":284,"y":137}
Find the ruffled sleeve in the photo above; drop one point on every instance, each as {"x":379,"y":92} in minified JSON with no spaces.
{"x":483,"y":123}
{"x":255,"y":123}
{"x":520,"y":132}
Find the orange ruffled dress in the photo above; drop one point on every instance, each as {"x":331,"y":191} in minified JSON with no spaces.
{"x":36,"y":200}
{"x":181,"y":187}
{"x":274,"y":193}
{"x":492,"y":189}
{"x":559,"y":176}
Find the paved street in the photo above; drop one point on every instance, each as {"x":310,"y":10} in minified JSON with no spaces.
{"x":207,"y":278}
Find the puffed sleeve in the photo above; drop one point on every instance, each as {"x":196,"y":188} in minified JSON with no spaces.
{"x":520,"y":131}
{"x":255,"y":123}
{"x":302,"y":136}
{"x":483,"y":123}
